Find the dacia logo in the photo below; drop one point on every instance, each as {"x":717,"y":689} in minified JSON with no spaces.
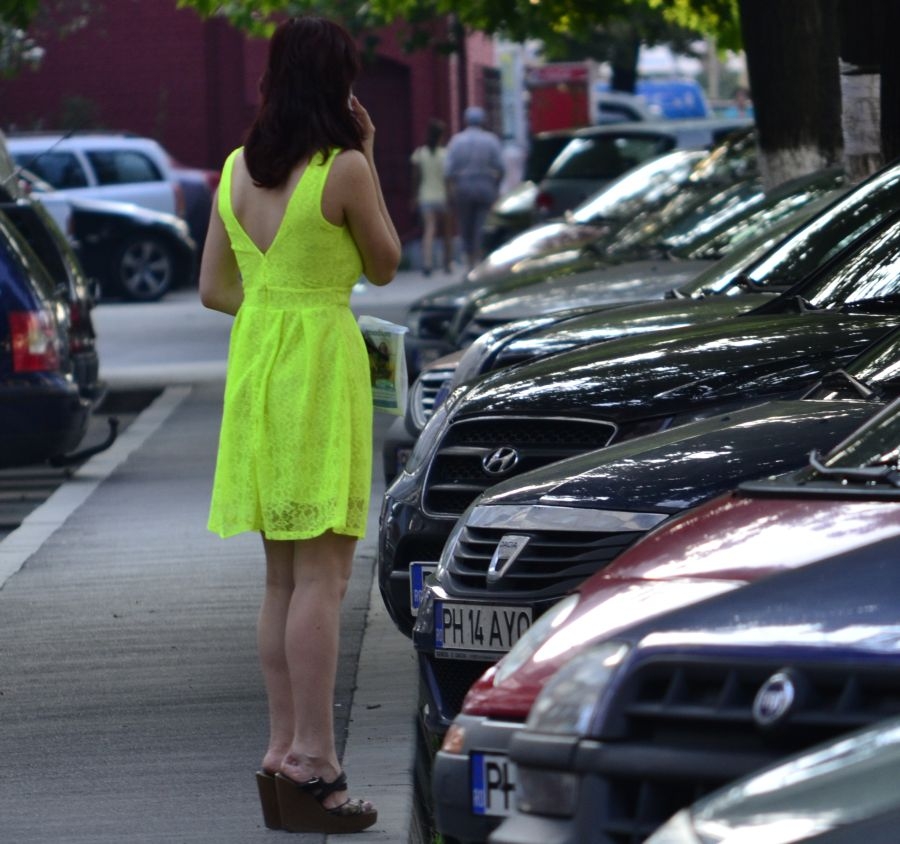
{"x":509,"y":547}
{"x":501,"y":461}
{"x":774,"y":700}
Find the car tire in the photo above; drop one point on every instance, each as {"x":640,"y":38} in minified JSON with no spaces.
{"x":144,"y":268}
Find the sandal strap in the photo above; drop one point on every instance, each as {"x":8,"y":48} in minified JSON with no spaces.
{"x":320,"y":789}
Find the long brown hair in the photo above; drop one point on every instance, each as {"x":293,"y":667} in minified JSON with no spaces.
{"x":305,"y":94}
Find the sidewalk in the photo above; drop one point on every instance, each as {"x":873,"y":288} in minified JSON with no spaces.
{"x":131,"y":701}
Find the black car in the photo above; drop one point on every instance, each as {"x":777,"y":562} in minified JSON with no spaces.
{"x":129,"y":250}
{"x":524,"y":544}
{"x":634,"y":729}
{"x":527,"y":416}
{"x":43,"y":414}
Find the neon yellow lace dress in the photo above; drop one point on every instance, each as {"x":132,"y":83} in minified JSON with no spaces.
{"x":295,"y":448}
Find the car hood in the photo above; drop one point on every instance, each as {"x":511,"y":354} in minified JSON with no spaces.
{"x":727,"y":543}
{"x":652,"y":375}
{"x":549,"y":238}
{"x":676,"y":469}
{"x":623,"y":321}
{"x":638,"y":280}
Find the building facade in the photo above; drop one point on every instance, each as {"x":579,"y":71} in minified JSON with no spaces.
{"x":146,"y":67}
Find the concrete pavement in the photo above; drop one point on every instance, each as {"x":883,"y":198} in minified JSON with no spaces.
{"x":130,"y":697}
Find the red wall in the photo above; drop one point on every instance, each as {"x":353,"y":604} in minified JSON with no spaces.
{"x":151,"y":69}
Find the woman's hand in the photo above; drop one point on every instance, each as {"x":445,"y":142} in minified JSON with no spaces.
{"x":366,"y":124}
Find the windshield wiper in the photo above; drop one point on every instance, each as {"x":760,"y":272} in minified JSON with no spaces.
{"x":864,"y":474}
{"x":804,"y":306}
{"x":841,"y":378}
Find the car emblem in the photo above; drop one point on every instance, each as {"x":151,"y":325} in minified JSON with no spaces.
{"x":501,"y":461}
{"x":508,"y":549}
{"x":774,"y":699}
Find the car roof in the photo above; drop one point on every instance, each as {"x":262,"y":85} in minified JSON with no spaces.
{"x":59,"y":140}
{"x":666,"y":127}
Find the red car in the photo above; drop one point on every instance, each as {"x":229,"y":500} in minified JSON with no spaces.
{"x":836,"y":504}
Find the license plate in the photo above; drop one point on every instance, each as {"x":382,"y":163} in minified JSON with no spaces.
{"x":417,"y":574}
{"x":493,"y":784}
{"x":476,"y":627}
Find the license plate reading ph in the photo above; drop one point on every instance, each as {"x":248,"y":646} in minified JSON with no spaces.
{"x":493,"y":784}
{"x":417,"y":574}
{"x":468,"y":627}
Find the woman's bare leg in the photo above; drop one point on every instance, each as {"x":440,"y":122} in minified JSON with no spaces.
{"x":429,"y":226}
{"x":270,"y":642}
{"x":321,"y":569}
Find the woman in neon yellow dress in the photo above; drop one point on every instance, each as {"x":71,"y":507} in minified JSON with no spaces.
{"x":298,"y":217}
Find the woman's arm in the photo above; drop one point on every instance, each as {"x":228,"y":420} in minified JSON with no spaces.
{"x":357,"y":190}
{"x":220,"y":281}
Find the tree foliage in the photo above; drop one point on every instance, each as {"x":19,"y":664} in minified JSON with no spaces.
{"x":558,"y":23}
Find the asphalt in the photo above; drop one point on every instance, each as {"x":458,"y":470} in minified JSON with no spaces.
{"x":131,"y":702}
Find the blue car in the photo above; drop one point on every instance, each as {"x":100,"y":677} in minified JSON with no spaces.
{"x":43,"y":413}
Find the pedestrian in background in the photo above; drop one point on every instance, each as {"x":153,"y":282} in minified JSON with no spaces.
{"x":430,"y":194}
{"x":474,"y":170}
{"x":298,"y":217}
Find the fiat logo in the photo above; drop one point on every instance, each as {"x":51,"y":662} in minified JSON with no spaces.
{"x":501,"y":461}
{"x":774,"y":699}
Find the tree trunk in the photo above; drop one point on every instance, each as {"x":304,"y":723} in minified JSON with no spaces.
{"x":792,"y":62}
{"x":890,"y":85}
{"x":862,"y":25}
{"x":624,"y":61}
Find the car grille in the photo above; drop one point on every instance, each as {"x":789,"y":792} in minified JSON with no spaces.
{"x":426,"y":389}
{"x":457,"y":475}
{"x":452,"y":679}
{"x":692,"y":725}
{"x":552,"y":562}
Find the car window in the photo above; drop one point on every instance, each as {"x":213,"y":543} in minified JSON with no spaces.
{"x":606,"y":156}
{"x":864,"y":279}
{"x":60,"y":169}
{"x":119,"y":167}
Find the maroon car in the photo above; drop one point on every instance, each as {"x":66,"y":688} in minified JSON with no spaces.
{"x":838,"y":503}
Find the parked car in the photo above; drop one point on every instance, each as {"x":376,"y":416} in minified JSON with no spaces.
{"x":70,"y":284}
{"x":598,"y":154}
{"x":128,"y":250}
{"x":527,"y":416}
{"x":641,"y":725}
{"x":116,"y":167}
{"x":704,"y":231}
{"x":735,"y":539}
{"x":42,"y":413}
{"x":840,"y":792}
{"x":524,"y":544}
{"x":514,"y":211}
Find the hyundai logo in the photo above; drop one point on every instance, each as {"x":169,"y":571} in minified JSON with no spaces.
{"x":501,"y":461}
{"x":774,"y":699}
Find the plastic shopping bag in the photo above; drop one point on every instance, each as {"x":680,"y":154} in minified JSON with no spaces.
{"x":387,"y":363}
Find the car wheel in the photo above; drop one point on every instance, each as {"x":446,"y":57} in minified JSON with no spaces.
{"x":145,"y":268}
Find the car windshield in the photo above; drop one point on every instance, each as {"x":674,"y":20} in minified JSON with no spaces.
{"x":718,"y":234}
{"x":541,"y":152}
{"x":650,"y":183}
{"x":878,"y":367}
{"x":867,"y":280}
{"x":831,"y":232}
{"x":606,"y":156}
{"x":875,"y":446}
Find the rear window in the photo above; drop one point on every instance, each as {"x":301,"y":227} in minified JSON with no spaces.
{"x":122,"y":167}
{"x":60,"y":169}
{"x":606,"y":156}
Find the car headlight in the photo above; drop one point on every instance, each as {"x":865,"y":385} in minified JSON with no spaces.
{"x":678,"y":830}
{"x":537,"y":634}
{"x":567,"y":703}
